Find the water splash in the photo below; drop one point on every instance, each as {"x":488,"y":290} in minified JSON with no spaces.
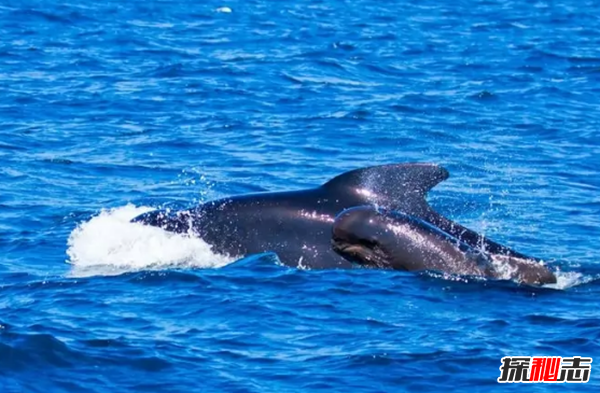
{"x":109,"y":244}
{"x":566,"y":280}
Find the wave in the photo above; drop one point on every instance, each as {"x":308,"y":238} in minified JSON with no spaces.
{"x":109,"y":244}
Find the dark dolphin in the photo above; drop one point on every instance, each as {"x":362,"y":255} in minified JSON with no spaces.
{"x":297,"y":225}
{"x":383,"y":239}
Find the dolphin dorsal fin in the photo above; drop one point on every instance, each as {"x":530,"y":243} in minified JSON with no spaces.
{"x":398,"y":186}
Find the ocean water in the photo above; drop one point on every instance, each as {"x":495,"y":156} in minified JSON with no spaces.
{"x":109,"y":109}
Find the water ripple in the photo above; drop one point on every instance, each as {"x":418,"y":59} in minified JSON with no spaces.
{"x":109,"y":107}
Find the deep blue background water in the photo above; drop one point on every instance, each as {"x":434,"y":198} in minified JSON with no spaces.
{"x":126,"y":105}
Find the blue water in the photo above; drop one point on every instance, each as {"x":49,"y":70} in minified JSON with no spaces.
{"x":108,"y":109}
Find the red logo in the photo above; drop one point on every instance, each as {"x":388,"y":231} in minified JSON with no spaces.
{"x":545,"y":369}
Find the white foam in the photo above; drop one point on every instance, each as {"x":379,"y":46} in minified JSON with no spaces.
{"x":110,"y":244}
{"x":565,"y":280}
{"x":503,"y":268}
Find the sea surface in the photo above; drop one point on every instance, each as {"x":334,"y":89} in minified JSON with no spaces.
{"x":111,"y":108}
